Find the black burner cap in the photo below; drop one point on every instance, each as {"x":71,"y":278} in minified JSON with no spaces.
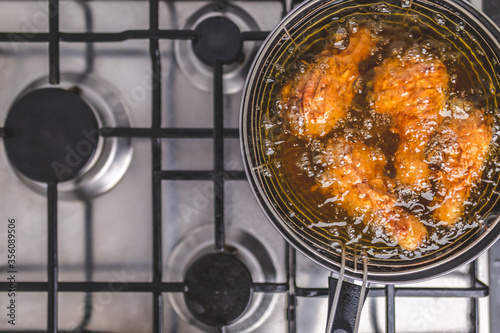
{"x":217,"y":38}
{"x":219,"y":289}
{"x":51,"y":135}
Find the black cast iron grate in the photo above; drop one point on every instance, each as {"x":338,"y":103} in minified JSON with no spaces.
{"x":156,"y":133}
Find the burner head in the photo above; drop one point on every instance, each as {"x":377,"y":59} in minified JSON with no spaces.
{"x":52,"y":134}
{"x":217,"y":38}
{"x":200,"y":73}
{"x":219,"y":289}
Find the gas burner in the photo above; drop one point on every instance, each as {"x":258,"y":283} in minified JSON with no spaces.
{"x":52,"y":135}
{"x":219,"y":289}
{"x":245,"y":260}
{"x":63,"y":143}
{"x":218,"y":36}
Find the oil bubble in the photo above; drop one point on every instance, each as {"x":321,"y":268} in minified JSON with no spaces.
{"x":376,"y":27}
{"x":381,"y":8}
{"x":353,"y":26}
{"x":439,"y":19}
{"x":406,"y":3}
{"x":338,"y":38}
{"x":358,"y":86}
{"x":269,"y":147}
{"x":265,"y":172}
{"x":279,"y":68}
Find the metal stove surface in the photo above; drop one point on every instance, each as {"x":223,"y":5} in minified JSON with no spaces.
{"x":108,"y":238}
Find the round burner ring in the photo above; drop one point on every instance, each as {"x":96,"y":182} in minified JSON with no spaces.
{"x":52,"y":135}
{"x":217,"y":38}
{"x":113,"y":155}
{"x":247,"y":249}
{"x":219,"y":289}
{"x":199,"y":72}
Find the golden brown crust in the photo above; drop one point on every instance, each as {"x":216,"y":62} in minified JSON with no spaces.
{"x":459,"y":150}
{"x":355,"y":175}
{"x":412,"y":90}
{"x":317,"y":98}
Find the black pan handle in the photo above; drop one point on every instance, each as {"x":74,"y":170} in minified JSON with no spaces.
{"x":346,"y":309}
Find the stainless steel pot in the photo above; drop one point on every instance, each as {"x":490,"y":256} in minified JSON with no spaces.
{"x":290,"y":216}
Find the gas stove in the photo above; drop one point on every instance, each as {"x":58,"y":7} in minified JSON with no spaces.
{"x":146,"y":195}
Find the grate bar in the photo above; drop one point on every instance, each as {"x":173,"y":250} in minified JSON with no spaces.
{"x":154,"y":52}
{"x":474,"y":292}
{"x":270,"y":287}
{"x":255,"y":35}
{"x":390,"y":309}
{"x":311,"y":292}
{"x":97,"y":37}
{"x":440,"y":292}
{"x":20,"y":37}
{"x":127,"y":35}
{"x":52,"y":268}
{"x":291,"y":269}
{"x":200,"y":175}
{"x":42,"y":331}
{"x":218,"y":175}
{"x":159,"y":287}
{"x":54,"y":74}
{"x":114,"y":286}
{"x":170,"y":133}
{"x":88,"y":307}
{"x":474,"y":303}
{"x":110,"y":37}
{"x":26,"y":286}
{"x":259,"y":287}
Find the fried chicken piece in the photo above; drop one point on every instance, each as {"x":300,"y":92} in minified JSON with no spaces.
{"x":354,"y":175}
{"x":412,"y":90}
{"x":458,"y":150}
{"x":319,"y":96}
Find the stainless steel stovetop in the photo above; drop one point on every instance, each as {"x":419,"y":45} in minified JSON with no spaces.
{"x":106,"y":228}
